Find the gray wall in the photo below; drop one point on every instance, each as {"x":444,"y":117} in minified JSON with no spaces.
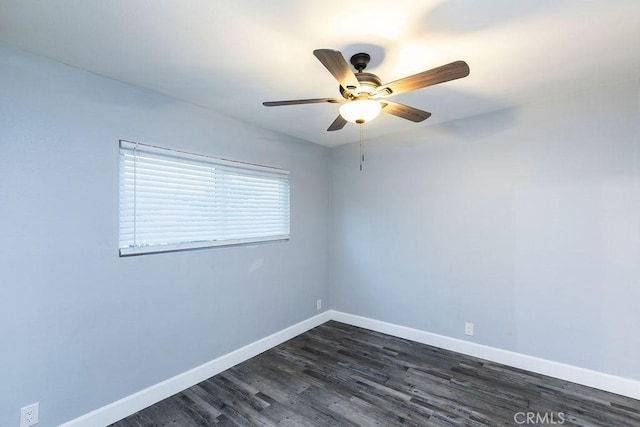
{"x":81,"y":327}
{"x":524,"y":222}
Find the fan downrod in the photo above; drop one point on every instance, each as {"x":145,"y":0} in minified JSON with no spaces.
{"x":360,"y":61}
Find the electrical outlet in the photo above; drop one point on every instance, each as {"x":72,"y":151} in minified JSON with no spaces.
{"x":29,"y":415}
{"x":319,"y":304}
{"x":468,"y":328}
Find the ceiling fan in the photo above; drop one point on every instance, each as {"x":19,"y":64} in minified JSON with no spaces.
{"x":364,"y":95}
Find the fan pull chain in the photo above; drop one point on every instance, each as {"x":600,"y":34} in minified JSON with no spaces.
{"x":361,"y":146}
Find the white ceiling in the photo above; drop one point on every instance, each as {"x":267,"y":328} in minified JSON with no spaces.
{"x":229,"y":56}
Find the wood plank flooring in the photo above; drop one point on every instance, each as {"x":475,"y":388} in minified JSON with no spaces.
{"x":341,"y":375}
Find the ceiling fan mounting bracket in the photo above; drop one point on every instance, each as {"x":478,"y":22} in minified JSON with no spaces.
{"x":360,"y":61}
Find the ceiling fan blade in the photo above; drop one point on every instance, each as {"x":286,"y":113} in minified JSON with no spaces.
{"x":444,"y":73}
{"x":302,"y":101}
{"x":404,"y":111}
{"x":338,"y":67}
{"x":338,"y":123}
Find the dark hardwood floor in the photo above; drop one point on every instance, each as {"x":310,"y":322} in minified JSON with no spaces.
{"x":340,"y":375}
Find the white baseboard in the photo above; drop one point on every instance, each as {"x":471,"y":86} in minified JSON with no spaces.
{"x":133,"y":403}
{"x":619,"y":385}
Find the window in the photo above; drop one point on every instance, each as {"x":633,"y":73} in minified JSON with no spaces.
{"x":170,"y":200}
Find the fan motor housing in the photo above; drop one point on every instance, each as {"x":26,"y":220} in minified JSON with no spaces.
{"x":369,"y":82}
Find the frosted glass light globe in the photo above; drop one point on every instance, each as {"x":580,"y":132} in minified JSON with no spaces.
{"x":360,"y":110}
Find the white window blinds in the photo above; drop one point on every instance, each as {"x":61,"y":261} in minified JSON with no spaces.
{"x":170,"y":200}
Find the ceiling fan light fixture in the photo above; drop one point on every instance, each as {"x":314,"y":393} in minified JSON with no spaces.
{"x":363,"y":94}
{"x":360,"y":110}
